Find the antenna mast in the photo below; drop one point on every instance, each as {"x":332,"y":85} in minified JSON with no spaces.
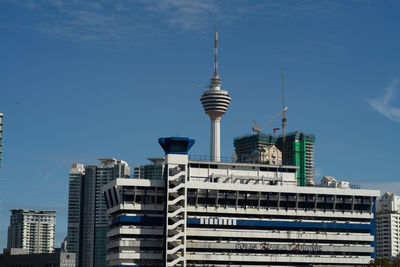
{"x":283,"y":111}
{"x":216,"y":52}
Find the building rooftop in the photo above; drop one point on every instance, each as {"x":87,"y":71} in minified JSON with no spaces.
{"x":33,"y":211}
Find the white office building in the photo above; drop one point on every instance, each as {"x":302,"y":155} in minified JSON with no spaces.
{"x":202,"y":213}
{"x":388,"y":226}
{"x":32,"y":230}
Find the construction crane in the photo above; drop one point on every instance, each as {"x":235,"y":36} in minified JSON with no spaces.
{"x":283,"y":111}
{"x":258,"y":130}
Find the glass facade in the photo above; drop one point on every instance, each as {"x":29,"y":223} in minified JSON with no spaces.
{"x":87,"y":217}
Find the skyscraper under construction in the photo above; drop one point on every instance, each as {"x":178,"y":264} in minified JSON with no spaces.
{"x":297,"y":150}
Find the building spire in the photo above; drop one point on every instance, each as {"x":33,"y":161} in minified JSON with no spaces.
{"x":215,"y":80}
{"x":216,"y":52}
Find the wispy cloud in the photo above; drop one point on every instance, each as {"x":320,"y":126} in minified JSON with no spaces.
{"x":131,"y":20}
{"x":383,"y":104}
{"x":109,"y":21}
{"x":185,"y":14}
{"x":100,"y":21}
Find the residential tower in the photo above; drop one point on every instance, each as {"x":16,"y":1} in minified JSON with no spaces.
{"x":87,"y":217}
{"x":32,"y":230}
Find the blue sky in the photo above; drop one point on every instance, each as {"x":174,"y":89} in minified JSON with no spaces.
{"x":82,"y":80}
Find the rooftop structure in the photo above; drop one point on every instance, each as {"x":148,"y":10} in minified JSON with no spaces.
{"x":235,"y":214}
{"x":329,"y":181}
{"x":215,"y":102}
{"x":32,"y":230}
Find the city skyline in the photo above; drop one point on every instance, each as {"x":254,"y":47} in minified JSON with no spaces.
{"x":86,"y":80}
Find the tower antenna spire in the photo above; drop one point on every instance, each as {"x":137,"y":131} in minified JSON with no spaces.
{"x":216,"y":52}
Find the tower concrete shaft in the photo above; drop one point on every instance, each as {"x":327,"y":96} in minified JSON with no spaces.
{"x":215,"y":103}
{"x":215,"y":142}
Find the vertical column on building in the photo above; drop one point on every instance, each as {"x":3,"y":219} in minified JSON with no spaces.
{"x":175,"y":198}
{"x":175,"y":210}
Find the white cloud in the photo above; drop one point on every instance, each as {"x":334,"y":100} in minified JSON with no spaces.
{"x":383,"y":104}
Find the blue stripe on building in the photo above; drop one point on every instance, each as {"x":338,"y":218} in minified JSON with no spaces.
{"x":137,"y":219}
{"x":311,"y":225}
{"x":254,"y":223}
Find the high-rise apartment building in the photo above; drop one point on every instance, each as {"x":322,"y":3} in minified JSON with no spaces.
{"x":149,"y":171}
{"x":388,"y":226}
{"x":87,"y":218}
{"x":33,"y":230}
{"x":76,"y":175}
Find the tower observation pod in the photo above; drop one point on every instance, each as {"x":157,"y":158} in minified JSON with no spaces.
{"x":215,"y":102}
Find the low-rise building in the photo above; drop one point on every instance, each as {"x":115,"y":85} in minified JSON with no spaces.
{"x":20,"y":258}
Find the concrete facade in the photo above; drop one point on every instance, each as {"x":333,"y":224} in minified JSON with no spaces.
{"x":236,"y":214}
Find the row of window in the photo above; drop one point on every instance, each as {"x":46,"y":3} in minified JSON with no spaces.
{"x":230,"y":198}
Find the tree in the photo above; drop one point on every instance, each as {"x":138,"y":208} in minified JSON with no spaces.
{"x":382,"y":262}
